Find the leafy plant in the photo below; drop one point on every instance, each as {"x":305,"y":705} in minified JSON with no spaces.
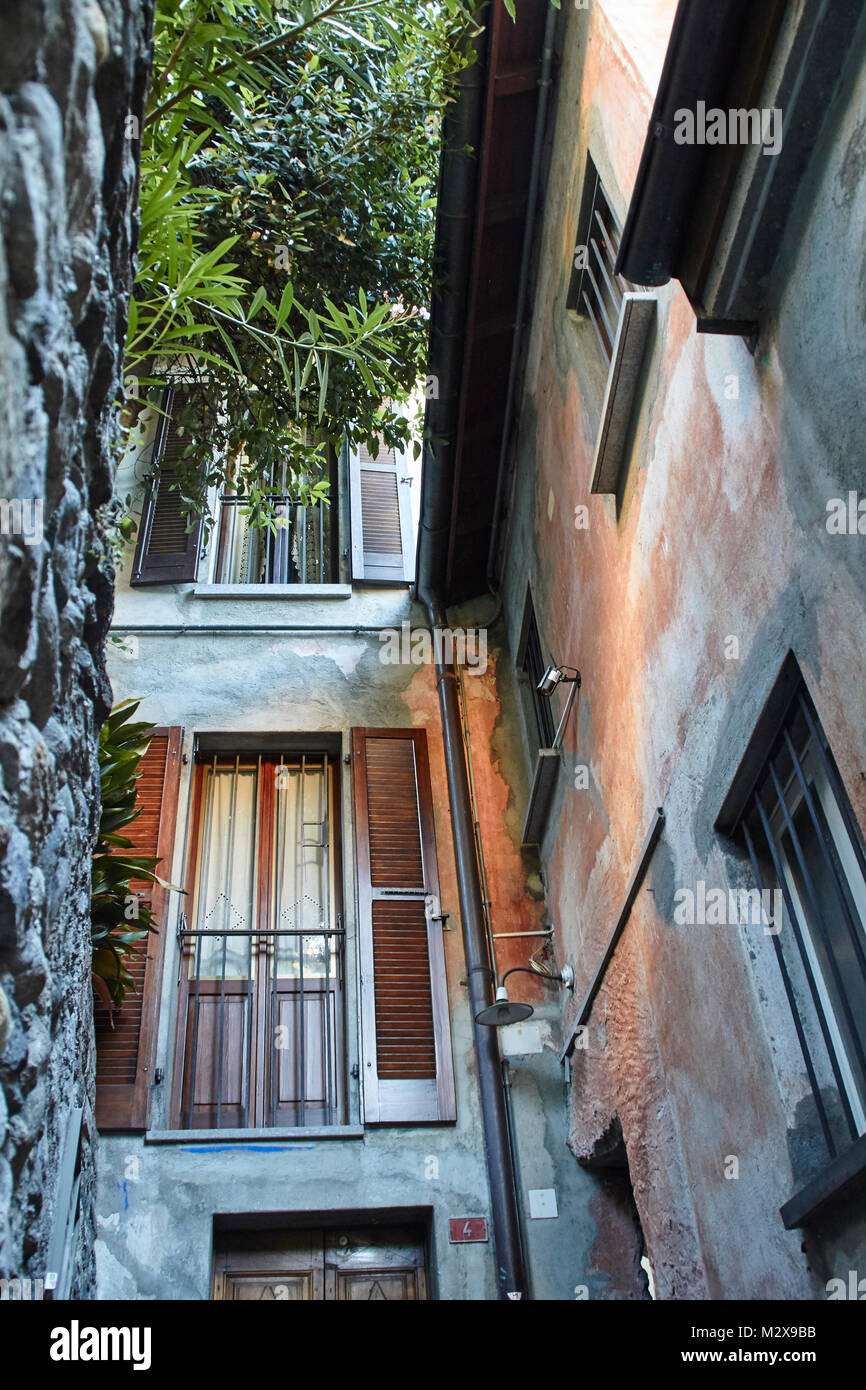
{"x":114,"y":903}
{"x":289,"y":158}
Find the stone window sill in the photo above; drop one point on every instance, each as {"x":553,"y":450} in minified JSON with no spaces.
{"x":272,"y":591}
{"x":623,"y":389}
{"x":252,"y":1136}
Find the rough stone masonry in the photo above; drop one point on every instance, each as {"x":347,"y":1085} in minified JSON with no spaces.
{"x":70,"y":73}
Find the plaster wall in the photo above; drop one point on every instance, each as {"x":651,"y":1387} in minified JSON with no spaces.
{"x":719,"y":532}
{"x":155,"y":1227}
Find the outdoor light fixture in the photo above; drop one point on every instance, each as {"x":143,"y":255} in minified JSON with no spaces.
{"x":504,"y":1011}
{"x":554,"y":676}
{"x":559,"y":675}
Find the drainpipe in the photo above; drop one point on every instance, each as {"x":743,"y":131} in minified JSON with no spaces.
{"x":510,"y":1271}
{"x":456,"y":218}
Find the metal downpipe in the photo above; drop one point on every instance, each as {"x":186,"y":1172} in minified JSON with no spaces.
{"x":510,"y":1269}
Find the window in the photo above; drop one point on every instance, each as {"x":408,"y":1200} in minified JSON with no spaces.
{"x":305,"y":548}
{"x":741,"y":101}
{"x":263,"y":1007}
{"x":533,"y":665}
{"x":596,"y":291}
{"x":621,"y":317}
{"x":260,"y":1024}
{"x":804,"y":844}
{"x":301,"y":550}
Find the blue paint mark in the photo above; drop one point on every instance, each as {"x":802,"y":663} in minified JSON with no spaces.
{"x":123,"y":1189}
{"x":248,"y":1148}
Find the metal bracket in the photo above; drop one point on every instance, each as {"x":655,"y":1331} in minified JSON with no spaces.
{"x":433,"y":911}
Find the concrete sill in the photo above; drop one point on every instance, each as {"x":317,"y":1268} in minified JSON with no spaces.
{"x":626,"y":368}
{"x":266,"y":591}
{"x":845,"y":1172}
{"x":251,"y":1136}
{"x":541,"y":795}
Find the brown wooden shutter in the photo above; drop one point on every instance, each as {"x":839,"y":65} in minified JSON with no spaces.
{"x":166,"y":553}
{"x":405,"y":1026}
{"x":125,"y":1053}
{"x":382,"y":542}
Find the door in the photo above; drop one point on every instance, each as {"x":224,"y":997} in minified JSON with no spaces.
{"x":260,"y":1035}
{"x":358,"y":1264}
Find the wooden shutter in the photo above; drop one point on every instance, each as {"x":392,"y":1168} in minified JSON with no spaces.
{"x":406,"y":1036}
{"x":383,"y":550}
{"x":166,"y":553}
{"x":125,"y":1053}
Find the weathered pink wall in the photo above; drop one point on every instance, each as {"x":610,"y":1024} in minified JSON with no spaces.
{"x":720,"y":533}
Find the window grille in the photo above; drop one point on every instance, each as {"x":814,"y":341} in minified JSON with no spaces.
{"x":596,"y":291}
{"x":804,"y":844}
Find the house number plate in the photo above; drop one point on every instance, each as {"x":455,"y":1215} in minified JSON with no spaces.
{"x":465,"y":1229}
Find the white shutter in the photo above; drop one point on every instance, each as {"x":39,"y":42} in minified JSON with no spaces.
{"x":383,"y":548}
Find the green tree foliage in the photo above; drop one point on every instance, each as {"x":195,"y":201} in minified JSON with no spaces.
{"x":289,"y":160}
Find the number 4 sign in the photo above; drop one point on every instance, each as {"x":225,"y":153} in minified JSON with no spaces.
{"x":463,"y":1230}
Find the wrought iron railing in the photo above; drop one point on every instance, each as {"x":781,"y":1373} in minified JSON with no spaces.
{"x":261,"y":1025}
{"x":297,"y":552}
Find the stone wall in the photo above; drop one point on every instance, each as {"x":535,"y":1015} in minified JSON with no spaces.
{"x":70,"y":73}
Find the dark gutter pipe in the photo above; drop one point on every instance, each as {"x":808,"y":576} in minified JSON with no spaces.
{"x":510,"y":1268}
{"x":454,"y":239}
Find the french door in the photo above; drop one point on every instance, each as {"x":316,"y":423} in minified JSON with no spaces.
{"x":260,"y":1024}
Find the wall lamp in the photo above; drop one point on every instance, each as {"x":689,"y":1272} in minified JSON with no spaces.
{"x":505,"y":1011}
{"x":559,"y":675}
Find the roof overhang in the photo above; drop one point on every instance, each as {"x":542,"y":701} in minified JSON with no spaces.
{"x":481,"y":222}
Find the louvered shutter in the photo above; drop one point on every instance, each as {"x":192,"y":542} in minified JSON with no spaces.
{"x":406,"y":1036}
{"x":125,"y":1053}
{"x":383,"y":550}
{"x":166,"y":553}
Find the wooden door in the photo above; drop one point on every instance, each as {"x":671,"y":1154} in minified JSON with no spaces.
{"x":269,"y":1266}
{"x":372,"y":1264}
{"x":376,"y":1264}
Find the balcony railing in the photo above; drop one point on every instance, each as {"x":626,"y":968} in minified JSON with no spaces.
{"x":261,"y":1025}
{"x":298,"y":553}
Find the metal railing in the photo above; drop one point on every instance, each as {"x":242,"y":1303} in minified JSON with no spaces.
{"x":298,"y":552}
{"x":262,"y":1027}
